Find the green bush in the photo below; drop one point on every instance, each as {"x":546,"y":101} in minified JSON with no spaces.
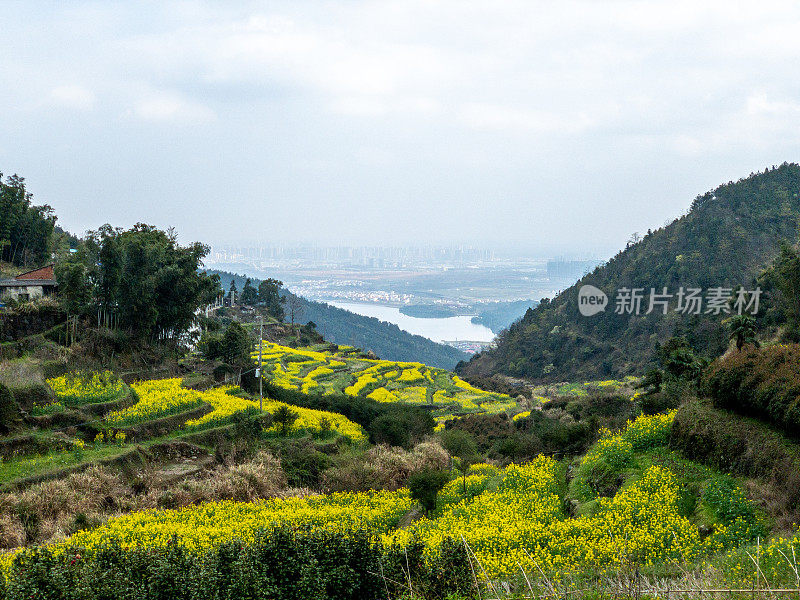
{"x":283,"y":564}
{"x":9,"y":413}
{"x":763,"y":383}
{"x":425,"y":485}
{"x":303,"y":463}
{"x":394,"y":424}
{"x":739,"y":445}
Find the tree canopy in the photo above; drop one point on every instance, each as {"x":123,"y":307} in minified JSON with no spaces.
{"x":25,"y":229}
{"x":150,"y":283}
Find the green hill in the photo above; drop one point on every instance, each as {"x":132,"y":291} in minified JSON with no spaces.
{"x":727,"y":238}
{"x":386,"y":340}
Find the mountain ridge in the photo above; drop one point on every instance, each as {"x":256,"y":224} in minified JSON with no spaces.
{"x":727,"y":238}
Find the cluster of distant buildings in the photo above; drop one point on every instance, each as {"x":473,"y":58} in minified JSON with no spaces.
{"x":374,"y":257}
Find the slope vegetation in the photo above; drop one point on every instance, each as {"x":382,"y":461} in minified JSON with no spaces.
{"x":727,"y":238}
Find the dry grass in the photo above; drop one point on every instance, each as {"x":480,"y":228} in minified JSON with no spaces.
{"x":20,"y":372}
{"x":385,"y":467}
{"x":98,"y":493}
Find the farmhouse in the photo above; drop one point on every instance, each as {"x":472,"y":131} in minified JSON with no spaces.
{"x":30,"y":285}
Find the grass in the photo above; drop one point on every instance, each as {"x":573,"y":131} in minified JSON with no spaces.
{"x":21,"y":468}
{"x":20,"y":372}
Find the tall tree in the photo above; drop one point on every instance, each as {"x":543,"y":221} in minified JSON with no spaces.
{"x":249,"y":294}
{"x":269,"y":295}
{"x":25,"y":230}
{"x":152,"y":284}
{"x":742,"y":329}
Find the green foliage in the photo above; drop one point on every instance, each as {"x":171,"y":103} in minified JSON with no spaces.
{"x":764,"y":383}
{"x":724,"y":241}
{"x":150,"y":283}
{"x":25,"y":230}
{"x":74,"y":286}
{"x":285,"y":418}
{"x":9,"y":412}
{"x":739,"y":445}
{"x":303,"y":464}
{"x":425,"y":485}
{"x":249,"y":294}
{"x":284,"y":564}
{"x":678,"y":359}
{"x":459,"y":443}
{"x":742,"y":330}
{"x":232,"y":346}
{"x":269,"y":295}
{"x":784,"y":274}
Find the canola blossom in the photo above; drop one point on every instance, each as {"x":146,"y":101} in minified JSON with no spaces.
{"x":161,"y":397}
{"x":617,"y":449}
{"x":76,"y":389}
{"x":510,"y":517}
{"x":344,"y":371}
{"x":200,"y":527}
{"x":157,"y":398}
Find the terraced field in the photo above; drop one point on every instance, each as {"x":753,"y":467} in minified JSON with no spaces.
{"x":513,"y":518}
{"x":344,"y":370}
{"x":146,"y":412}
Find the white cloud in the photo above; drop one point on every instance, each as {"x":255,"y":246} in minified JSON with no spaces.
{"x":498,"y":117}
{"x":166,"y":107}
{"x":72,"y":96}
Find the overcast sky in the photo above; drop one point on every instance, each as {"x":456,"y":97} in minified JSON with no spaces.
{"x":551,"y":125}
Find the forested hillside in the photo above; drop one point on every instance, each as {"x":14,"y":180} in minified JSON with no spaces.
{"x":384,"y":339}
{"x":728,"y":237}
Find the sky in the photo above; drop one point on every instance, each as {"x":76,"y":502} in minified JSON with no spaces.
{"x":556,"y":127}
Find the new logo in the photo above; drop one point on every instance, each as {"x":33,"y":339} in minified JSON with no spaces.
{"x":591,"y":300}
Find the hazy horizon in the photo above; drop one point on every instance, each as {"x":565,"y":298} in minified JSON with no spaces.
{"x":551,"y":128}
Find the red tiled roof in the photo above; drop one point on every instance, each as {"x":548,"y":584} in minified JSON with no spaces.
{"x":43,"y":273}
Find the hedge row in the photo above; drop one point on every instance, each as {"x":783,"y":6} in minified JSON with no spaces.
{"x":385,"y":423}
{"x":283,"y":564}
{"x":739,"y":445}
{"x":763,"y":383}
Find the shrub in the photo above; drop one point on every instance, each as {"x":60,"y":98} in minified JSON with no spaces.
{"x":416,"y":423}
{"x":425,"y":486}
{"x":303,"y":464}
{"x":740,"y":445}
{"x":284,"y":564}
{"x":285,"y":418}
{"x":9,"y":413}
{"x":763,"y":383}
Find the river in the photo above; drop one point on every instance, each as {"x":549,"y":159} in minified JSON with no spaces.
{"x":437,"y":329}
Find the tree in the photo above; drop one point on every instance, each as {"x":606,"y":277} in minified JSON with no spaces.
{"x":785,"y":275}
{"x":425,"y":485}
{"x":149,"y":283}
{"x":295,"y":307}
{"x":249,"y":294}
{"x":463,"y":449}
{"x":25,"y":230}
{"x":232,"y":291}
{"x":269,"y":295}
{"x":679,"y":360}
{"x":742,"y":329}
{"x":74,"y":289}
{"x":285,"y":418}
{"x":235,"y":346}
{"x":651,"y":382}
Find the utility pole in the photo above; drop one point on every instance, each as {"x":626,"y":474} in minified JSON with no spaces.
{"x":260,"y":374}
